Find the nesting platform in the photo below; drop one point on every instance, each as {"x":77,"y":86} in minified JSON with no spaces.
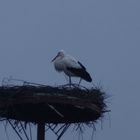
{"x":48,"y":104}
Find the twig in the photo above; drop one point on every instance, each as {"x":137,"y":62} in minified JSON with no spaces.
{"x":24,"y":131}
{"x":30,"y":130}
{"x":64,"y":130}
{"x":53,"y":108}
{"x":15,"y":130}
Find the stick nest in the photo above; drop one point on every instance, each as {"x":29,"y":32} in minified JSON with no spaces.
{"x":62,"y":104}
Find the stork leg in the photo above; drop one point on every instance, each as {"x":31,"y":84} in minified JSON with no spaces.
{"x":80,"y":82}
{"x":70,"y":80}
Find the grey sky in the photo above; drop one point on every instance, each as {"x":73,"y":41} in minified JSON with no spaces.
{"x":103,"y":35}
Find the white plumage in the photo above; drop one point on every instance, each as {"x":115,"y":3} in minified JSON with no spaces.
{"x":70,"y":66}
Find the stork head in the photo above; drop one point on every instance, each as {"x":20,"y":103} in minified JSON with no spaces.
{"x":59,"y":55}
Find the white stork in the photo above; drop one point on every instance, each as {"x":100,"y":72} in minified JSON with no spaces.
{"x":70,"y":66}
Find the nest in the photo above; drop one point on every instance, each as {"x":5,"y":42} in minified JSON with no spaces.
{"x":51,"y":104}
{"x":57,"y":107}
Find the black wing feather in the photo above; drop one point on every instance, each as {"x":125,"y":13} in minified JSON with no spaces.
{"x":81,"y":65}
{"x":81,"y":72}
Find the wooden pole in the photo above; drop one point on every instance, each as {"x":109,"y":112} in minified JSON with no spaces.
{"x":41,"y":131}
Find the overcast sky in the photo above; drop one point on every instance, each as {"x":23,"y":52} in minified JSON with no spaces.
{"x":103,"y":34}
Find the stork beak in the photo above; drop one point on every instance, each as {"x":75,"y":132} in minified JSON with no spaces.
{"x":54,"y":58}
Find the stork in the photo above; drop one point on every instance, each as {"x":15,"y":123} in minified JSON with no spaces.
{"x":70,"y":66}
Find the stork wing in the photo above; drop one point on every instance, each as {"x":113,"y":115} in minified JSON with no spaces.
{"x":81,"y":65}
{"x":78,"y":69}
{"x":72,"y":63}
